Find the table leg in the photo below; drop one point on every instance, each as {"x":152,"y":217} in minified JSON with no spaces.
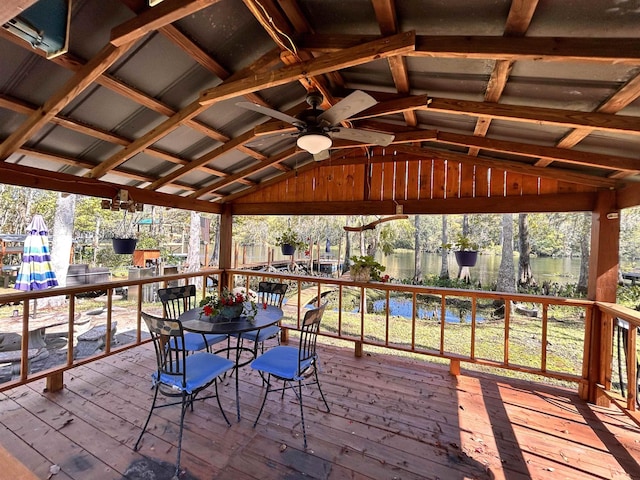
{"x":238,"y":353}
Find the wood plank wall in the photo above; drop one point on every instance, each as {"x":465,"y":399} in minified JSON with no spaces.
{"x":406,"y":178}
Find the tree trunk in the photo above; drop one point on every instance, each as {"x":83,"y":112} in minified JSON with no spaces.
{"x":61,"y":244}
{"x":506,"y":273}
{"x":347,"y":251}
{"x":417,"y":258}
{"x":525,"y":274}
{"x":215,"y":228}
{"x":585,"y":240}
{"x":444,"y":255}
{"x":193,"y":254}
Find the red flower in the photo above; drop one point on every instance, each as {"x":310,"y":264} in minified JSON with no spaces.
{"x":207,"y":310}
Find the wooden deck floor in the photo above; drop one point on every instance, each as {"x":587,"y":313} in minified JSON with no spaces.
{"x":390,"y":419}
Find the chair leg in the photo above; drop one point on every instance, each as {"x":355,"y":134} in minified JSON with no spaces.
{"x":304,"y":430}
{"x":220,"y":405}
{"x":146,"y":423}
{"x":264,"y":400}
{"x":184,"y":408}
{"x":315,"y":371}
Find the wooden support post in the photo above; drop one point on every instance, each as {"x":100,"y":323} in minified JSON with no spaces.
{"x":226,"y":244}
{"x":603,"y":282}
{"x":358,"y":350}
{"x":55,"y":382}
{"x":284,"y":335}
{"x":454,"y":367}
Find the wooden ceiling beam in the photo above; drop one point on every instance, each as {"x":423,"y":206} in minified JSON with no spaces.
{"x":183,"y":116}
{"x":576,"y":202}
{"x":104,"y":135}
{"x":628,"y":93}
{"x":152,"y":19}
{"x":530,"y":114}
{"x":383,"y":48}
{"x":387,"y":20}
{"x":204,"y":159}
{"x":565,"y":155}
{"x":612,"y":50}
{"x":80,"y":163}
{"x":71,"y":88}
{"x":258,"y":167}
{"x":203,"y":58}
{"x":33,"y":177}
{"x":520,"y":15}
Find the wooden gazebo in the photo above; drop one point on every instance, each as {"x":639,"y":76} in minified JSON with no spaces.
{"x":493,"y":107}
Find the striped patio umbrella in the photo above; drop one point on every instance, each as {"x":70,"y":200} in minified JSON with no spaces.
{"x":35,"y":271}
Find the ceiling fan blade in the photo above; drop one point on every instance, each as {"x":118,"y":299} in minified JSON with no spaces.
{"x":270,"y":112}
{"x":347,"y":107}
{"x":323,"y":155}
{"x":364,"y":136}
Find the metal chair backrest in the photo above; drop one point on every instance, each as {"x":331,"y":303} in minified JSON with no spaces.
{"x":170,"y":361}
{"x":271,"y":293}
{"x":309,"y":333}
{"x":177,"y":300}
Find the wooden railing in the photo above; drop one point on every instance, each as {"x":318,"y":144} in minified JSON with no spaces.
{"x":401,"y":334}
{"x":69,"y":297}
{"x":348,"y":320}
{"x":628,"y":321}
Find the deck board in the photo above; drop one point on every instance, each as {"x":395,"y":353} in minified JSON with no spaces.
{"x":390,"y":417}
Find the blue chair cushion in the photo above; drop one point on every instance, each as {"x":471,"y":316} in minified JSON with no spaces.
{"x":192,"y":342}
{"x":282,"y":362}
{"x":262,"y":334}
{"x":213,"y":338}
{"x":202,"y":369}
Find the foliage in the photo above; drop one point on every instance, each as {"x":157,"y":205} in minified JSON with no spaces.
{"x":359,"y":263}
{"x":629,"y":296}
{"x":290,"y":237}
{"x":126,"y":227}
{"x":213,"y":305}
{"x":437,"y":281}
{"x":462,"y":243}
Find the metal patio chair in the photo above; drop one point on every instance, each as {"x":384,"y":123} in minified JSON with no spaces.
{"x":179,"y":375}
{"x":293,"y":365}
{"x":269,"y":293}
{"x":177,"y":300}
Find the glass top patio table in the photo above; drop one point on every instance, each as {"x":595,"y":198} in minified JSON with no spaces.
{"x":192,"y":321}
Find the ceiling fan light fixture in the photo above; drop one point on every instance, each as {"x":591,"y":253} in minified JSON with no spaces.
{"x":314,"y":142}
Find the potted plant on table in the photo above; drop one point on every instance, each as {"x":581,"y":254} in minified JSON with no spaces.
{"x":465,"y":250}
{"x":364,"y":268}
{"x":228,"y":305}
{"x":289,"y":241}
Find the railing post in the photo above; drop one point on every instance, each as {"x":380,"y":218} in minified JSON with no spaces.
{"x":454,"y":367}
{"x":55,"y":382}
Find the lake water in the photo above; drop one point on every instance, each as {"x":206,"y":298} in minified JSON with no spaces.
{"x":399,"y":265}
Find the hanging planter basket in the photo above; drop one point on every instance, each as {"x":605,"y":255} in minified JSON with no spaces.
{"x":124,"y":245}
{"x":466,"y":258}
{"x":287,"y":249}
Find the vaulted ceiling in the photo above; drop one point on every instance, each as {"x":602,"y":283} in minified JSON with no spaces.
{"x":475,"y":92}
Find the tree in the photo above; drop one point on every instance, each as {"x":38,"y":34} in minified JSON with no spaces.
{"x":506,"y":273}
{"x":193,"y":253}
{"x":525,"y":274}
{"x":444,"y":266}
{"x":585,"y":229}
{"x":417,"y":274}
{"x":61,"y":243}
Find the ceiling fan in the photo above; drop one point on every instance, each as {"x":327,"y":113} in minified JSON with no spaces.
{"x":317,"y":127}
